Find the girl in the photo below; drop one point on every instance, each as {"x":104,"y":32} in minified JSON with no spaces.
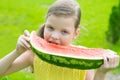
{"x":60,"y":28}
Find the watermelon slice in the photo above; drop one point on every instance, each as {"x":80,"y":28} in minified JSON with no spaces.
{"x":66,"y":56}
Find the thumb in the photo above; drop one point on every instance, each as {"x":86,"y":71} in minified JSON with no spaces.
{"x":26,"y":33}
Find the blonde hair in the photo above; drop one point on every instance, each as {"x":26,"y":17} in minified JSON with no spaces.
{"x":65,"y":8}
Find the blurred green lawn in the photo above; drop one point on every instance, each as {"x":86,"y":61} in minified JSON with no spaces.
{"x":19,"y":76}
{"x":18,"y":15}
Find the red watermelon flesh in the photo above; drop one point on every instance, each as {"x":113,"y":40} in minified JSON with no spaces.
{"x":72,"y":51}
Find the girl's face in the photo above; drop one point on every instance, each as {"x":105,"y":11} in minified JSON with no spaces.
{"x":60,"y":30}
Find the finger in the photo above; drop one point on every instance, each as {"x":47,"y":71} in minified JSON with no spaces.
{"x":26,"y":38}
{"x":116,"y":61}
{"x":111,"y":61}
{"x":26,"y":33}
{"x":21,"y":43}
{"x":25,"y":44}
{"x":105,"y":64}
{"x":110,"y":52}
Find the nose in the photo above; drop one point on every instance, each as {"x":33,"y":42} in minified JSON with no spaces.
{"x":55,"y":36}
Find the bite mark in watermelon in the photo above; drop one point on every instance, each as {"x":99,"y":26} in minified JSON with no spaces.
{"x":66,"y":56}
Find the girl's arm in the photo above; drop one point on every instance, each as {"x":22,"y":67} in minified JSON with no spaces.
{"x":7,"y":61}
{"x":11,"y":64}
{"x":99,"y":75}
{"x":90,"y":74}
{"x":15,"y":57}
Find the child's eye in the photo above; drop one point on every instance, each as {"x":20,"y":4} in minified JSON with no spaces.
{"x":50,"y":28}
{"x":64,"y":32}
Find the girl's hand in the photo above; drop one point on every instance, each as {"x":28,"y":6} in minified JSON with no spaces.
{"x":23,"y":42}
{"x":111,"y":60}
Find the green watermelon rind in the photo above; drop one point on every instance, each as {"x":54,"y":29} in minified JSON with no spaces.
{"x":70,"y":62}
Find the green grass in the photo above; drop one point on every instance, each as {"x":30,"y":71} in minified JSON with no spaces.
{"x":18,"y":15}
{"x":19,"y":76}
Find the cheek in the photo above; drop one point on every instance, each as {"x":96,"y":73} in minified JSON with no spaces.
{"x":46,"y":35}
{"x":67,"y":40}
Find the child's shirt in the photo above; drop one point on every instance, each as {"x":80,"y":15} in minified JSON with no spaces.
{"x":47,"y":71}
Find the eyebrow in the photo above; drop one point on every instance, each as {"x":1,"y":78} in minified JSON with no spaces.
{"x":50,"y":25}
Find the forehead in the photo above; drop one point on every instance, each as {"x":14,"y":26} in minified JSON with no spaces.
{"x":60,"y":21}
